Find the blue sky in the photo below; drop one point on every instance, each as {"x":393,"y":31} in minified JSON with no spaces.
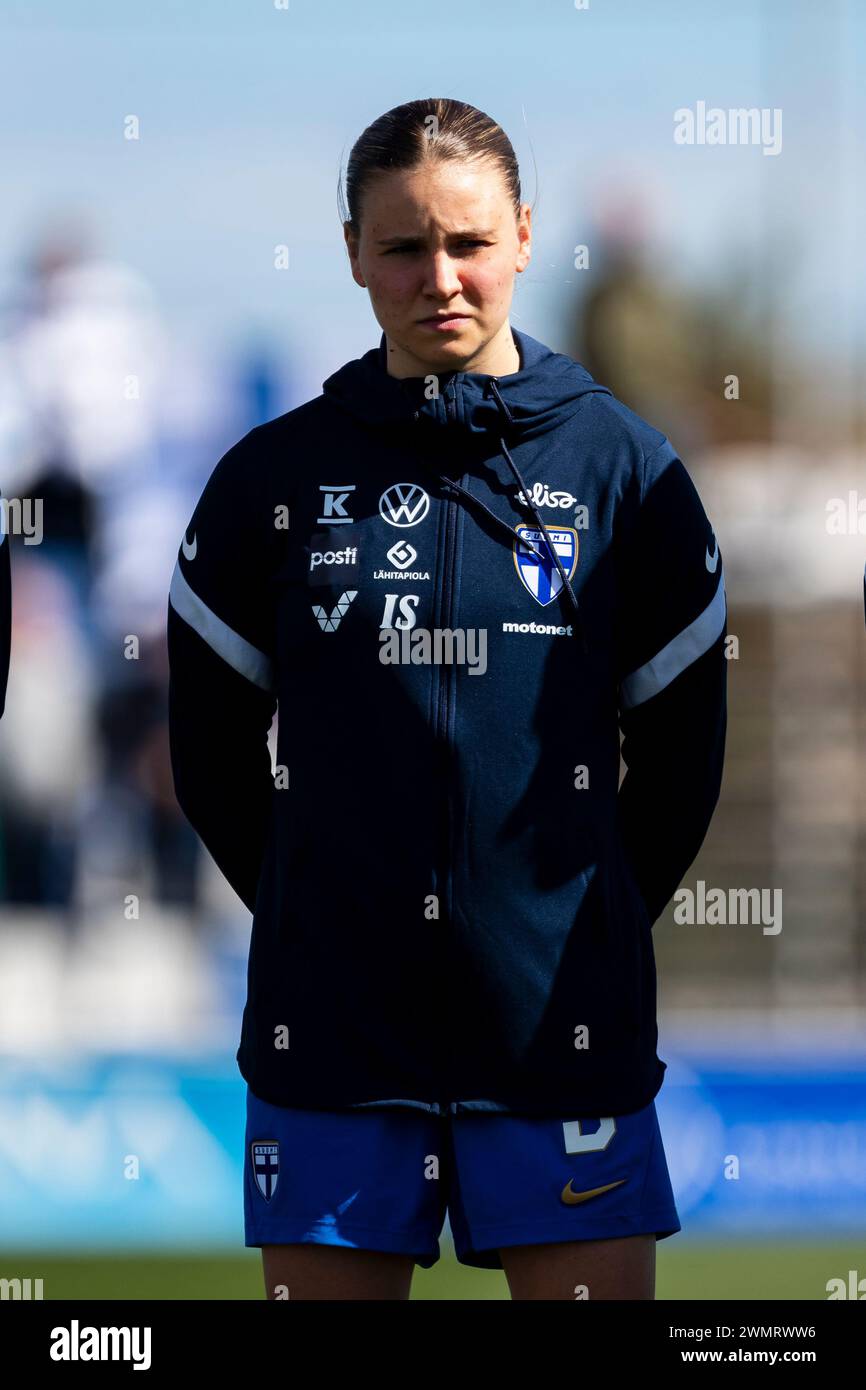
{"x":246,"y":109}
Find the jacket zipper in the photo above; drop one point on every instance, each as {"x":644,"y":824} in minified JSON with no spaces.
{"x":444,"y":730}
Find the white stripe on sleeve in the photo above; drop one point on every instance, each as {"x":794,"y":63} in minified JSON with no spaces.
{"x":234,"y":649}
{"x":679,"y":653}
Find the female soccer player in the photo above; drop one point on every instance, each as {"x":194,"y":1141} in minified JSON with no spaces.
{"x":459,"y":573}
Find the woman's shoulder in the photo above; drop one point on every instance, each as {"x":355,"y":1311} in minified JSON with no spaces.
{"x":292,"y":424}
{"x":617,"y":422}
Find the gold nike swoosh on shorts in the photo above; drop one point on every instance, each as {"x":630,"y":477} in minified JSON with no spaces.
{"x":571,"y":1198}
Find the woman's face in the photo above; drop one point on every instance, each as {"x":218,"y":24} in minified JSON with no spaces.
{"x":440,"y":240}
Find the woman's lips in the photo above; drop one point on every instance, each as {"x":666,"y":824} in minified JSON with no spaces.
{"x":443,"y":325}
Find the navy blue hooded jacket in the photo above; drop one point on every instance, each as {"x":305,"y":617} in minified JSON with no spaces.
{"x":457,"y":598}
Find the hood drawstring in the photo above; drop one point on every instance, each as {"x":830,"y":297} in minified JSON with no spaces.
{"x":449,"y":482}
{"x":494,"y":387}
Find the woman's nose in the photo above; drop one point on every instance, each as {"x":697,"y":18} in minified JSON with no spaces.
{"x":442,"y":277}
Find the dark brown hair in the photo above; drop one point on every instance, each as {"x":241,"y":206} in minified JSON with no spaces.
{"x":406,"y":136}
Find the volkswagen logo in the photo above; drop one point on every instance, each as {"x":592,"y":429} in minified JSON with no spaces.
{"x":404,"y":504}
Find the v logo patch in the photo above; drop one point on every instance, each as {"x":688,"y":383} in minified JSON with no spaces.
{"x":329,"y":622}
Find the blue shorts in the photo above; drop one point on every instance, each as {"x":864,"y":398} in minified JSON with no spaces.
{"x":384,"y":1179}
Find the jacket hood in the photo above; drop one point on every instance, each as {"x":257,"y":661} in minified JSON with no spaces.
{"x":546,"y":390}
{"x":544,"y":393}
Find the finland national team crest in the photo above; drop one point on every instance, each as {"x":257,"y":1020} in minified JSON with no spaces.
{"x":535,"y":564}
{"x":266,"y":1166}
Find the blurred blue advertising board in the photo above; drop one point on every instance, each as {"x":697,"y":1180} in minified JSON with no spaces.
{"x":146,"y":1151}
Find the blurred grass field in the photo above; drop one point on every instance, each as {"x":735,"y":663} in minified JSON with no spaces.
{"x":726,"y":1272}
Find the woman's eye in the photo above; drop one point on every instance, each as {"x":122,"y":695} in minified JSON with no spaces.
{"x":401,"y":250}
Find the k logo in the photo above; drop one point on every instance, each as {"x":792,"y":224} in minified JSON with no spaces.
{"x":334,"y":505}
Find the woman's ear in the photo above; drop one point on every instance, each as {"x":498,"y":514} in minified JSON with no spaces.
{"x":524,"y":237}
{"x":352,"y":248}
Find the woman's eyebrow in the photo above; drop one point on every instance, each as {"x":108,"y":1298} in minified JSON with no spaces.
{"x":468,"y":232}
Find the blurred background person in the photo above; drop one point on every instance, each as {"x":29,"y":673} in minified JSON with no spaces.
{"x":85,"y":360}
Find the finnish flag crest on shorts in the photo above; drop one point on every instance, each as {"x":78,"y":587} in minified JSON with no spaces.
{"x":266,"y":1166}
{"x":535,"y":564}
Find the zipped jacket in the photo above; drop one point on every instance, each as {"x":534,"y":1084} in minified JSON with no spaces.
{"x":459,"y":594}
